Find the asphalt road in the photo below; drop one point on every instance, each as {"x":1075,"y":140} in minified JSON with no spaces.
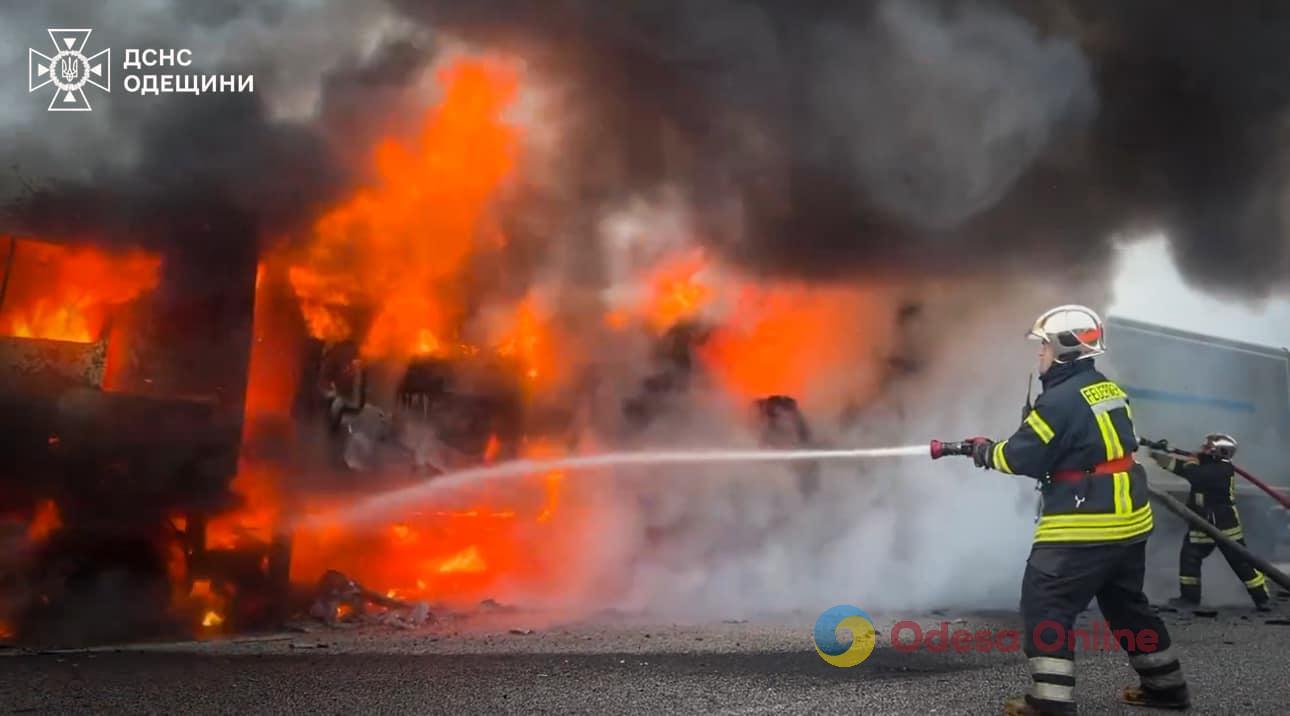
{"x":1236,"y":662}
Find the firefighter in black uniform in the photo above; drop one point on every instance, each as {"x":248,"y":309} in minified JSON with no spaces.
{"x":1090,"y":538}
{"x":1213,"y":497}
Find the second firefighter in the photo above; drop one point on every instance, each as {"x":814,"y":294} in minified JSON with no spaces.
{"x":1213,"y":496}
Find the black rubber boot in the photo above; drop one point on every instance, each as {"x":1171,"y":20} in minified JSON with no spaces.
{"x":1173,"y":700}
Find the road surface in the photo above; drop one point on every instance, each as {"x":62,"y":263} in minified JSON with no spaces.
{"x":1236,"y":661}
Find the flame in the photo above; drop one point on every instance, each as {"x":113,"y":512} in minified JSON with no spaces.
{"x":6,"y":630}
{"x":387,"y":268}
{"x":467,"y":560}
{"x":677,"y":294}
{"x":763,"y":337}
{"x":528,"y":342}
{"x":492,"y":448}
{"x":65,"y":293}
{"x":275,"y":356}
{"x":791,"y":339}
{"x":396,"y":246}
{"x":205,"y":600}
{"x":44,"y":521}
{"x":257,"y":484}
{"x":442,"y":554}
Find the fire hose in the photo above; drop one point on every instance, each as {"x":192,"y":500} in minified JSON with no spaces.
{"x":1279,"y":496}
{"x":940,"y":449}
{"x":1200,"y":523}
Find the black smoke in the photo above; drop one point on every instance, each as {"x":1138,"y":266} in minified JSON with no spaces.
{"x":815,"y":138}
{"x":992,"y":136}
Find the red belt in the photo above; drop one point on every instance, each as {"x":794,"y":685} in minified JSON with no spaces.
{"x":1106,"y":468}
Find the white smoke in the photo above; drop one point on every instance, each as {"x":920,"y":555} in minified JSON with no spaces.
{"x":885,"y":534}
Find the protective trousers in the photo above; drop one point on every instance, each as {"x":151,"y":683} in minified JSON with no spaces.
{"x":1059,"y":583}
{"x":1197,"y":546}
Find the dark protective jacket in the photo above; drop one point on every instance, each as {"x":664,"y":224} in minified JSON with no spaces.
{"x":1213,"y":489}
{"x":1080,"y":421}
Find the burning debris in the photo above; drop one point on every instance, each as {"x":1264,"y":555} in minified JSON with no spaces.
{"x":340,"y":599}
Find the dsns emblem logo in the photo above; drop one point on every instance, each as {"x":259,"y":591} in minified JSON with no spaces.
{"x":852,"y":651}
{"x":69,"y":70}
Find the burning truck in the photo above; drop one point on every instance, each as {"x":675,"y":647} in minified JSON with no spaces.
{"x":170,"y":422}
{"x":117,"y":451}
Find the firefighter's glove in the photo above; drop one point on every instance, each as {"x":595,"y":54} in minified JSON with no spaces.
{"x":1162,"y":459}
{"x":981,"y":448}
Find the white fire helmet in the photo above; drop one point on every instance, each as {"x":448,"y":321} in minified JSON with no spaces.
{"x":1219,"y":445}
{"x":1075,"y":332}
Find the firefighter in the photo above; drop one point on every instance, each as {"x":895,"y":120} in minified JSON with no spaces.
{"x":1213,"y":497}
{"x":1094,"y":519}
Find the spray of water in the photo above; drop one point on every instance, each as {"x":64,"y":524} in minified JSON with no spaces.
{"x":378,"y":505}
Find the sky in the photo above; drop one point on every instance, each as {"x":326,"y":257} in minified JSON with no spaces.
{"x":1148,"y":288}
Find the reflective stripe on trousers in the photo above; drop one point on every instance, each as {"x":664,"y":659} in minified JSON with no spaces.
{"x":1053,"y":679}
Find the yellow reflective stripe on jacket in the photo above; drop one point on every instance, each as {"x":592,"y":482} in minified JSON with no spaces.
{"x":1000,"y":461}
{"x":1040,"y":427}
{"x":1257,"y":581}
{"x":1094,"y":528}
{"x":1123,"y":498}
{"x":1188,"y":580}
{"x":1114,"y":448}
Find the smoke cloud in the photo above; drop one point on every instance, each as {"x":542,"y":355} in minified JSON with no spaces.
{"x":931,"y":137}
{"x":886,"y":137}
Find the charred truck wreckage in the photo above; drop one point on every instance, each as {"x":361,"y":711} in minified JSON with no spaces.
{"x":118,"y":451}
{"x":139,"y":462}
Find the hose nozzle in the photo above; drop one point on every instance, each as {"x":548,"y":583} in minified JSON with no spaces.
{"x":940,"y":449}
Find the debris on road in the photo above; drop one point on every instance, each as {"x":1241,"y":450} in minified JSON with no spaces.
{"x":340,"y":600}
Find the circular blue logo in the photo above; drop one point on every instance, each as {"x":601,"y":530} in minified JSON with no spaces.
{"x":854,"y":650}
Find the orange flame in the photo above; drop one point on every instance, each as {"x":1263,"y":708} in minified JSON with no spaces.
{"x":396,"y":246}
{"x":44,"y":521}
{"x":203,"y":599}
{"x":528,"y":343}
{"x":257,"y":484}
{"x":792,"y":339}
{"x":444,"y":554}
{"x":391,"y":261}
{"x":762,"y":338}
{"x":467,"y":560}
{"x":65,"y":293}
{"x":676,"y":292}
